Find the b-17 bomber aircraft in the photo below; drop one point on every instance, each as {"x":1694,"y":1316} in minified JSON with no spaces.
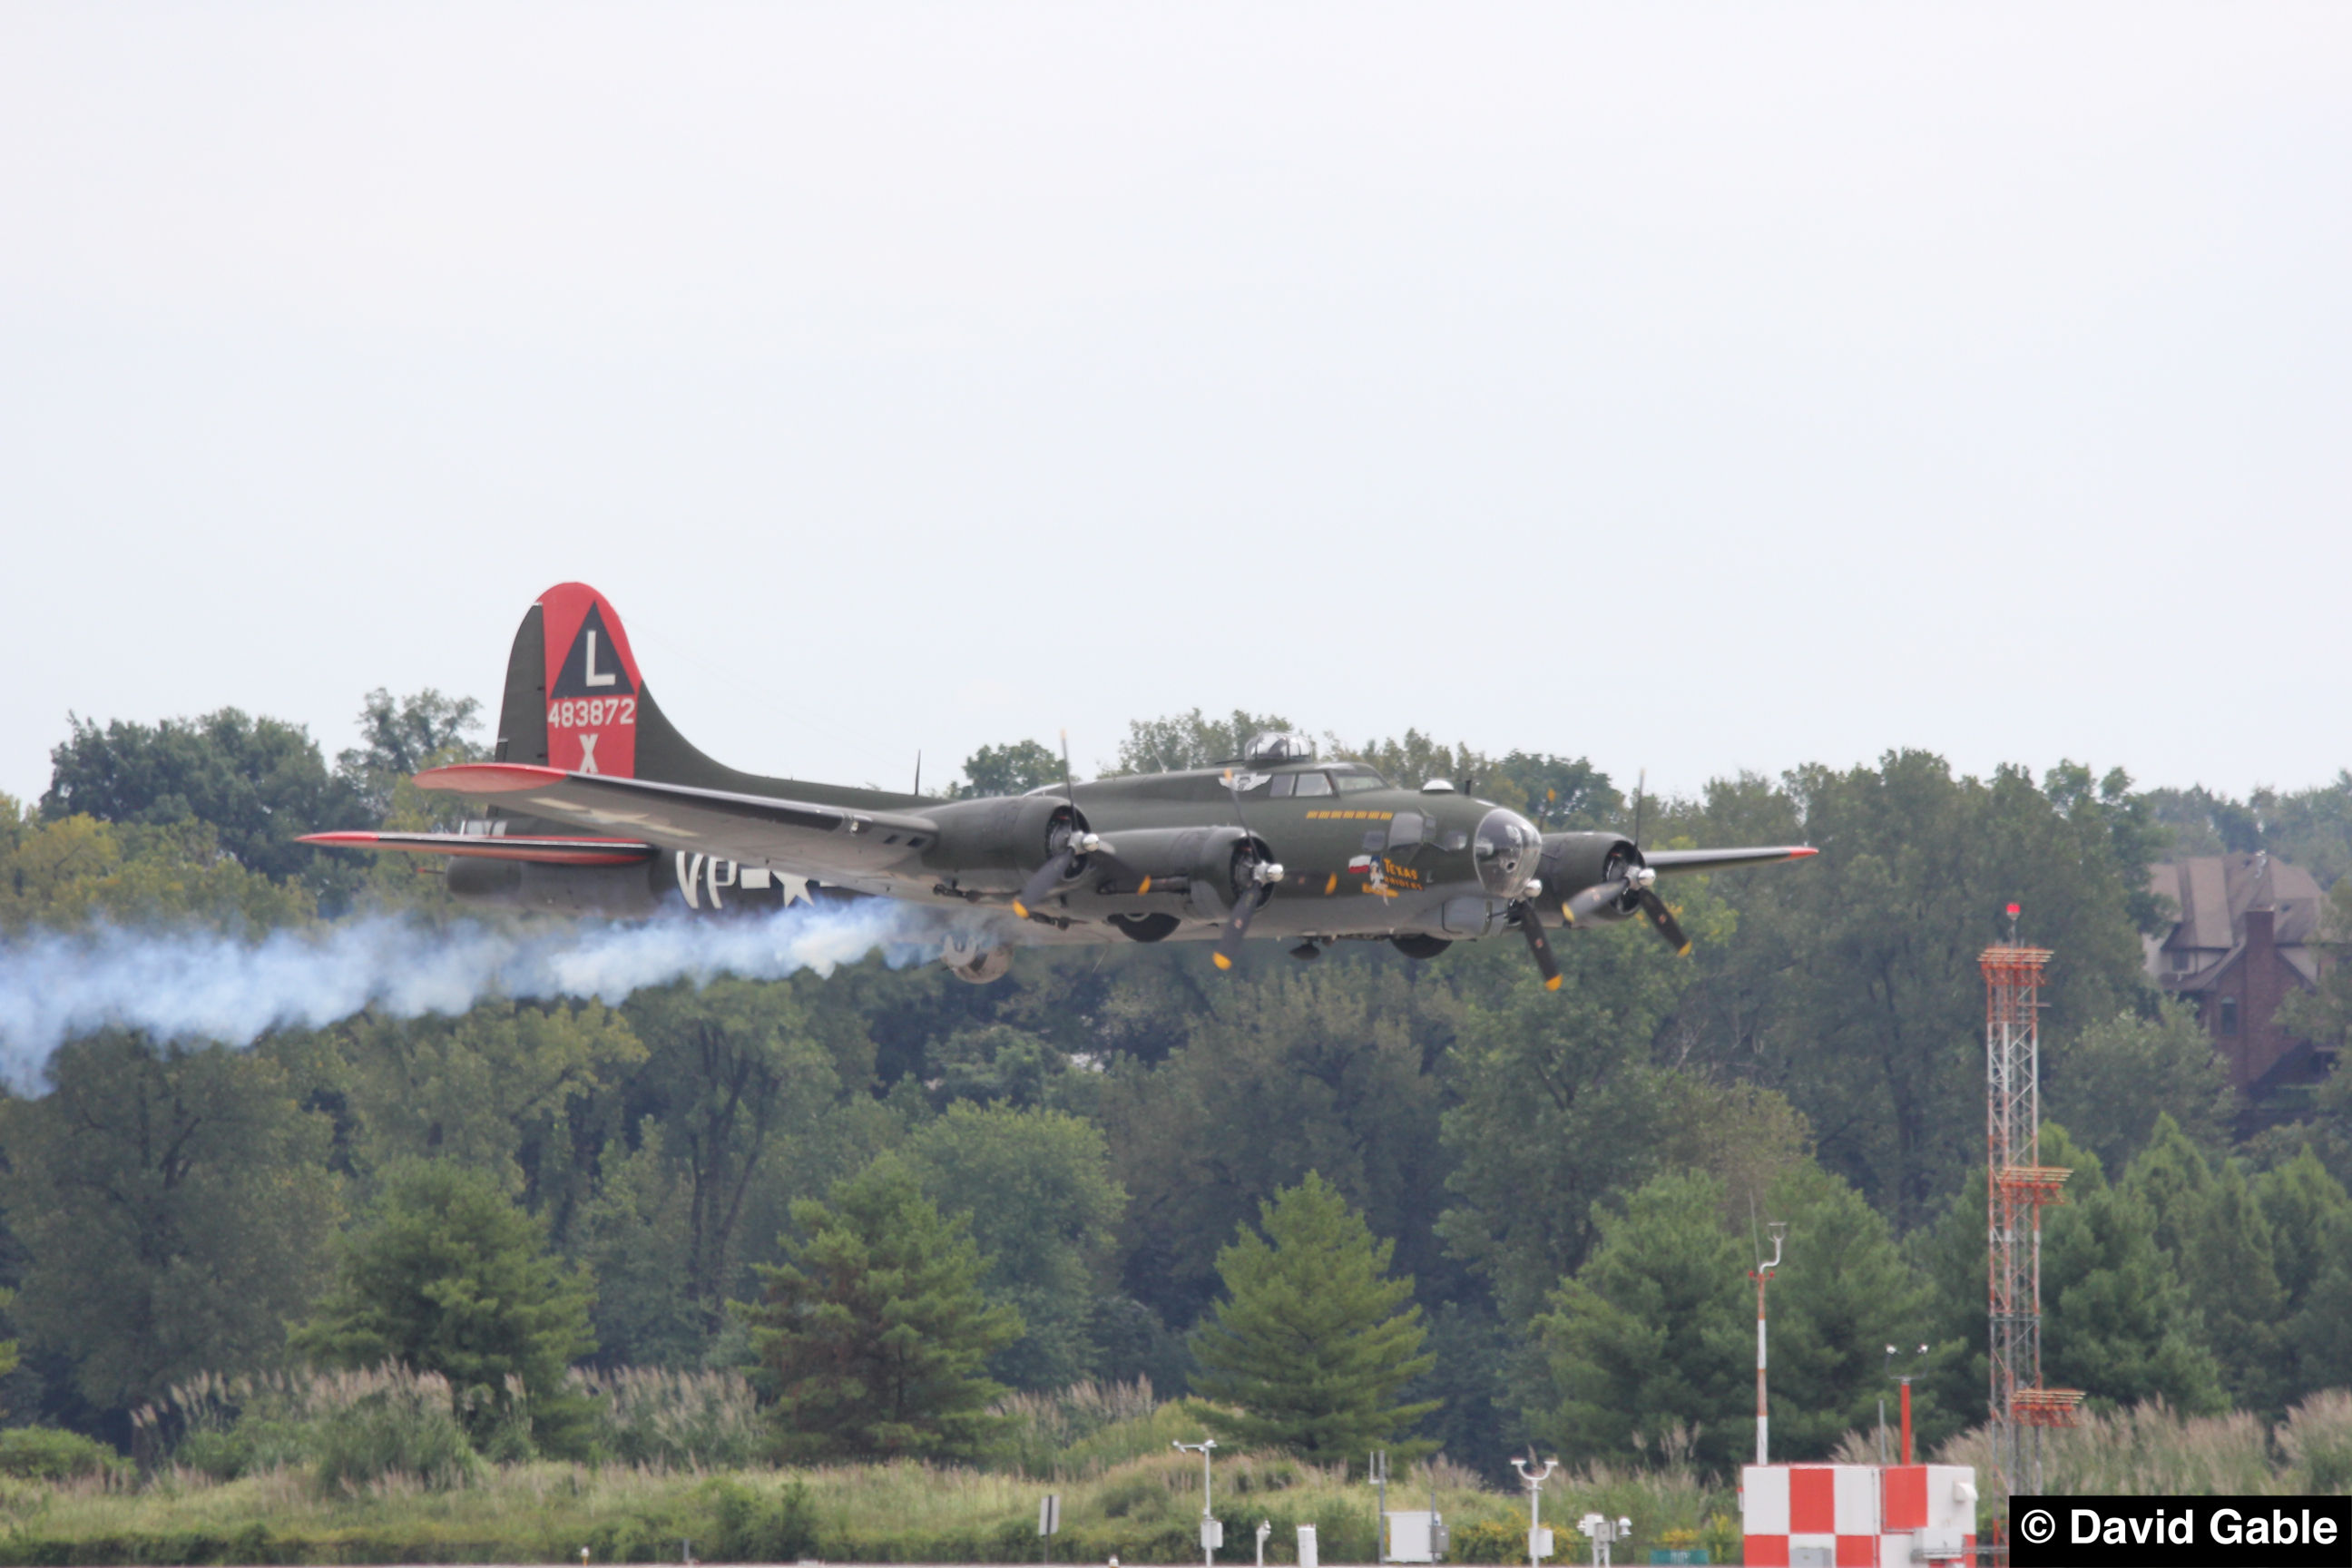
{"x":597,"y":804}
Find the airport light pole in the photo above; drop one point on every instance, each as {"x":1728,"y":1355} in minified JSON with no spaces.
{"x":1537,"y":1546}
{"x":1762,"y":1275}
{"x":1209,"y":1530}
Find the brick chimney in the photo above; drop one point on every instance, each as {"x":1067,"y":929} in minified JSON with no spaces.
{"x":2265,"y":987}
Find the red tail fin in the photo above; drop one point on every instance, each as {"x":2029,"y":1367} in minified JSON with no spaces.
{"x":594,"y":691}
{"x":576,"y":703}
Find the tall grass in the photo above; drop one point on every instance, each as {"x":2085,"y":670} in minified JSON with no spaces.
{"x":690,"y":1420}
{"x":393,"y":1424}
{"x":1085,"y":1428}
{"x":2152,"y":1449}
{"x":354,"y":1430}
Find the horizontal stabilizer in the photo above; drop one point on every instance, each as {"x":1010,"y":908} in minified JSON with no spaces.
{"x":481,"y":847}
{"x":1669,"y":861}
{"x":803,"y":838}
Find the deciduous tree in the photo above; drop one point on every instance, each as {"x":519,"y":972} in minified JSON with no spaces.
{"x":1012,"y":769}
{"x":174,"y":1207}
{"x":1287,"y":1073}
{"x":502,"y":1087}
{"x":1853,"y":984}
{"x":1044,"y":1210}
{"x":1560,"y":1102}
{"x":2111,"y":1082}
{"x":402,"y":736}
{"x":260,"y":782}
{"x":65,"y":873}
{"x":1188,"y":740}
{"x":736,"y":1073}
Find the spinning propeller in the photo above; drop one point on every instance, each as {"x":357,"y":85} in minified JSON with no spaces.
{"x":1076,"y":843}
{"x":1531,"y":926}
{"x":1629,"y":886}
{"x":1255,"y":871}
{"x":1630,"y":889}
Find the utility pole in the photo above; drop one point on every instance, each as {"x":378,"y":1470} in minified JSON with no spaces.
{"x":1762,"y":1275}
{"x":1538,"y":1540}
{"x":1212,"y":1534}
{"x":1377,"y":1468}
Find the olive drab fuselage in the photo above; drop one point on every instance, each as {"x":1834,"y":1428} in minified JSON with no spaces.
{"x":592,"y":803}
{"x":1360,"y":856}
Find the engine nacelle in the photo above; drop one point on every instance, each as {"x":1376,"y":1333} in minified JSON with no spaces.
{"x":701,"y":884}
{"x":993,"y":846}
{"x":1574,"y":861}
{"x":1208,"y":864}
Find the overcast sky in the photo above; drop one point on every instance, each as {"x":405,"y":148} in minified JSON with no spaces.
{"x":1705,"y":389}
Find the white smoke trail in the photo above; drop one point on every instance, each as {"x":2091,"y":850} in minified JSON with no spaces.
{"x":199,"y":985}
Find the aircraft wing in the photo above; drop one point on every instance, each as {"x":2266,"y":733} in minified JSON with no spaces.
{"x":1667,"y":862}
{"x":758,"y":830}
{"x":539,"y":850}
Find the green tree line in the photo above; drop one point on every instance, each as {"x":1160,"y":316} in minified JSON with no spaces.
{"x":1095,"y":1167}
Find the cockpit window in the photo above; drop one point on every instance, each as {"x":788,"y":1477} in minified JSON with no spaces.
{"x":1310,"y":784}
{"x":1406,"y":829}
{"x":1278,"y":746}
{"x":1350,"y":784}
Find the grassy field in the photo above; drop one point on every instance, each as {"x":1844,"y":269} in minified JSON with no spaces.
{"x":1143,"y":1510}
{"x":1126,"y":1494}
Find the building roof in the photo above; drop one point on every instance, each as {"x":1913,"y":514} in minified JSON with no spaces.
{"x":2213,"y":892}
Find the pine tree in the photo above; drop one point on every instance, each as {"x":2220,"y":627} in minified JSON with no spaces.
{"x":2310,"y":1218}
{"x":2220,"y":1242}
{"x":1655,"y":1332}
{"x":1310,"y":1347}
{"x":2116,"y":1321}
{"x":1843,"y":1292}
{"x":873,"y":1336}
{"x":448,"y":1276}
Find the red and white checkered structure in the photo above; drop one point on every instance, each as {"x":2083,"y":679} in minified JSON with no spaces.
{"x":1858,"y":1516}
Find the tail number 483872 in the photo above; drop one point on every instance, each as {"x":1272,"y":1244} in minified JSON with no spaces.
{"x":591,"y":712}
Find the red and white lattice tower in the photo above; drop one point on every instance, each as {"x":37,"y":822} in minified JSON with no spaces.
{"x":2017,"y":1186}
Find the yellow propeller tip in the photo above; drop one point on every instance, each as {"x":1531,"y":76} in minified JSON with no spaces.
{"x":1684,"y":951}
{"x":1021,"y":909}
{"x":1146,"y":887}
{"x":1553,"y":983}
{"x":1220,"y":960}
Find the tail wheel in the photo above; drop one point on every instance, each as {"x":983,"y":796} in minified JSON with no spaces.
{"x":991,"y":966}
